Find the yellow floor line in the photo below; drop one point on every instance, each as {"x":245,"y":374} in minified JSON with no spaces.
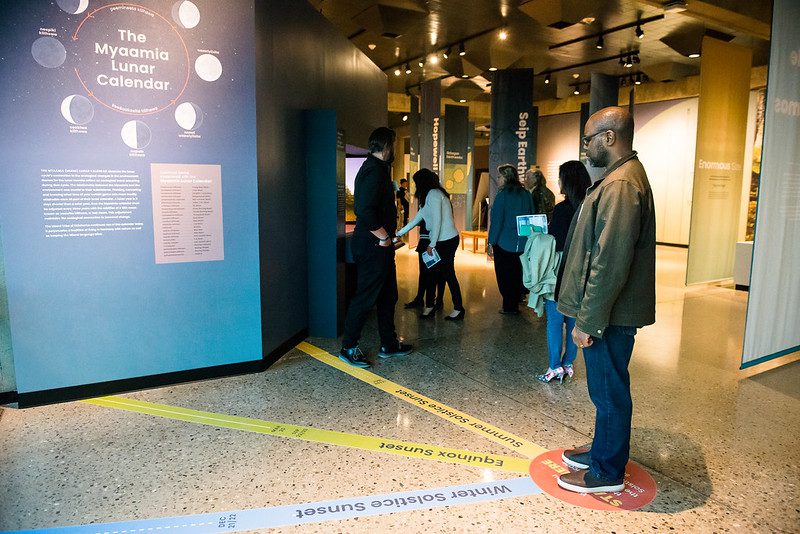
{"x":507,"y":439}
{"x":331,"y":437}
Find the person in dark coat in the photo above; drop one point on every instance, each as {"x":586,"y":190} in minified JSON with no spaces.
{"x":373,"y":252}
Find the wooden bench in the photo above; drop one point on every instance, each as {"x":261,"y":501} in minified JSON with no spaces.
{"x":475,"y":235}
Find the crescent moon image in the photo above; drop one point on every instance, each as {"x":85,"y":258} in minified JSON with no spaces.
{"x":208,"y":67}
{"x":48,"y":52}
{"x":189,"y":116}
{"x":77,"y":109}
{"x":73,"y":7}
{"x":136,"y":134}
{"x":185,"y":14}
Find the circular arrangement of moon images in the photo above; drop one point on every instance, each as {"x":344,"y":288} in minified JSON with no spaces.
{"x":136,"y":134}
{"x":79,"y":109}
{"x":189,"y":116}
{"x":48,"y":52}
{"x":185,"y":14}
{"x":73,"y":7}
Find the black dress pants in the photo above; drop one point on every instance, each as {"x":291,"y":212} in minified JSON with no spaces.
{"x":508,"y":271}
{"x":376,"y":286}
{"x":426,"y":294}
{"x":445,"y":271}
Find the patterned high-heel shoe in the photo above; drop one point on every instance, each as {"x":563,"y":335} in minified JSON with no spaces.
{"x":552,"y":374}
{"x":568,"y":371}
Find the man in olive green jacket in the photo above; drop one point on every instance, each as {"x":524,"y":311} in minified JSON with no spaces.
{"x":609,"y":287}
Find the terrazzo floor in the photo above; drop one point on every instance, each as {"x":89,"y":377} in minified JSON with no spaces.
{"x":721,"y":444}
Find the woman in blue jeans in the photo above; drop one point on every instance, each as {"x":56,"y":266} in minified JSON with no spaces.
{"x":573,"y":179}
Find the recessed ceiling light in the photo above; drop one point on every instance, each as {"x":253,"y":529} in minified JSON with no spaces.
{"x":462,"y":100}
{"x":503,"y":35}
{"x":492,"y":69}
{"x":397,"y":71}
{"x":372,"y":46}
{"x":587,"y":20}
{"x":405,"y":117}
{"x":576,"y":75}
{"x":434,"y":59}
{"x":465,"y":75}
{"x":694,"y":55}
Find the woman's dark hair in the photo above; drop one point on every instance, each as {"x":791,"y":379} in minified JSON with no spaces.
{"x":509,"y":177}
{"x":426,"y":180}
{"x":379,"y":139}
{"x":574,"y":180}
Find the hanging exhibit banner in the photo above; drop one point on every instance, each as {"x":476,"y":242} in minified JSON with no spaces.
{"x":430,"y":126}
{"x":512,"y":123}
{"x":719,"y":159}
{"x":456,"y":149}
{"x":773,"y":313}
{"x":129,"y":189}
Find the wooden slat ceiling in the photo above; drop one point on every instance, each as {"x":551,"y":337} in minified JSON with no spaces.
{"x":429,"y":26}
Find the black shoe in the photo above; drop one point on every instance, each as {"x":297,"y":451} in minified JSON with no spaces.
{"x":584,"y":482}
{"x":354,"y":357}
{"x":416,"y":303}
{"x":395,"y":349}
{"x":438,"y":306}
{"x":459,"y":317}
{"x":577,"y":458}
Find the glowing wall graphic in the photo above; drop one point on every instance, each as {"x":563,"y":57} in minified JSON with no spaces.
{"x":108,"y":97}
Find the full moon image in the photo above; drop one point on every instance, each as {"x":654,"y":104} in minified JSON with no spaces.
{"x":185,"y":14}
{"x":49,"y":52}
{"x":189,"y":116}
{"x":208,"y":67}
{"x":136,"y":134}
{"x":77,"y":109}
{"x":73,"y":7}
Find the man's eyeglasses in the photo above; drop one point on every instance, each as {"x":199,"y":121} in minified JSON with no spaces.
{"x":588,"y":138}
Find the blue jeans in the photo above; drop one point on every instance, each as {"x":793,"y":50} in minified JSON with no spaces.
{"x":556,"y":341}
{"x":609,"y":384}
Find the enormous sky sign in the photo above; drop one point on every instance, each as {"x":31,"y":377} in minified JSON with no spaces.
{"x":128,"y":197}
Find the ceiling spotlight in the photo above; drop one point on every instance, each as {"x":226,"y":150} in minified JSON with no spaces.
{"x":446,"y":53}
{"x":408,"y":69}
{"x":434,"y":59}
{"x":492,"y":69}
{"x":462,"y":100}
{"x":576,"y":75}
{"x":577,"y":91}
{"x":638,"y":79}
{"x":600,"y":42}
{"x":461,"y":50}
{"x":405,"y":117}
{"x":372,"y":46}
{"x":639,"y":31}
{"x":397,"y":71}
{"x":503,"y":35}
{"x":694,"y":55}
{"x":421,"y":62}
{"x":547,"y":79}
{"x":465,"y":75}
{"x":628,"y":61}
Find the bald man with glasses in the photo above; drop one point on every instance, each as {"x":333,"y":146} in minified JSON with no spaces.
{"x":609,"y":288}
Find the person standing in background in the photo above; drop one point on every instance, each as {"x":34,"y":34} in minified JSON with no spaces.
{"x":505,"y":246}
{"x":373,"y":252}
{"x":609,"y":288}
{"x":437,"y":214}
{"x":574,"y":180}
{"x":543,"y":199}
{"x":402,"y":197}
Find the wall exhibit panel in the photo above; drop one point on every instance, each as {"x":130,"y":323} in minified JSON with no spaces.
{"x":773,"y":313}
{"x":128,"y":191}
{"x":721,"y":131}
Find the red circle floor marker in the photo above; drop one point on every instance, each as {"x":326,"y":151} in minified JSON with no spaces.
{"x":640,"y":488}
